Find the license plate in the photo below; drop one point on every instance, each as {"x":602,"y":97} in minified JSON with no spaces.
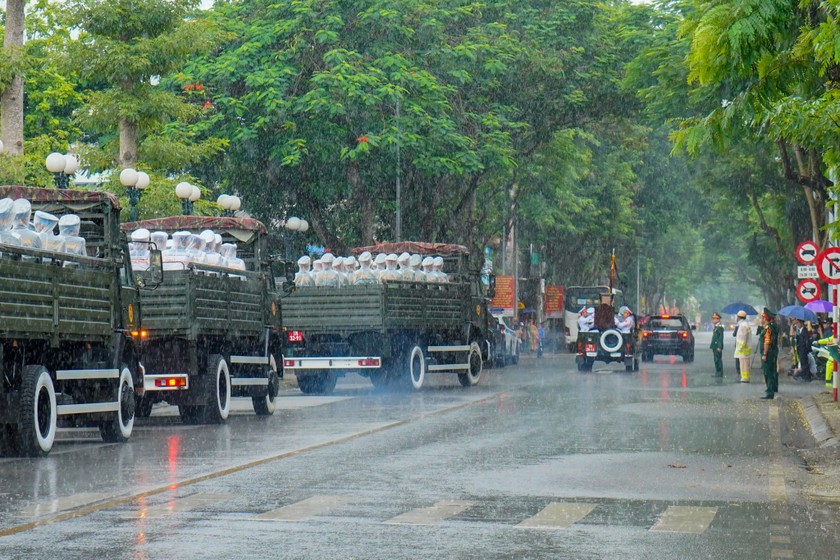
{"x":590,"y":348}
{"x":615,"y":355}
{"x":664,"y":335}
{"x":591,"y":354}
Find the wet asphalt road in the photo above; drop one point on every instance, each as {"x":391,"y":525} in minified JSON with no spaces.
{"x":537,"y":461}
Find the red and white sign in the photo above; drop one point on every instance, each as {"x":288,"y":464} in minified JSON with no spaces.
{"x":504,"y":301}
{"x":828,"y":265}
{"x":807,"y":252}
{"x":807,"y":290}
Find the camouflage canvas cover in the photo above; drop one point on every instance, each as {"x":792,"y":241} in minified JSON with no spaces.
{"x":417,"y":247}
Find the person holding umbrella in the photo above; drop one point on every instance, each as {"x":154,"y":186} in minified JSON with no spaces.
{"x":717,"y":344}
{"x":769,"y":349}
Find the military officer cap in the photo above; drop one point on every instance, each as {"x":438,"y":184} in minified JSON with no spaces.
{"x":715,"y":315}
{"x":769,"y":314}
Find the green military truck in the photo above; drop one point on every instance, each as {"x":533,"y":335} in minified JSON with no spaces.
{"x":68,"y":326}
{"x":394,"y":332}
{"x":211,"y":333}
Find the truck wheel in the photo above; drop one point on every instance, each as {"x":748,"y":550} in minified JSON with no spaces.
{"x":217,"y":409}
{"x":143,"y":407}
{"x":118,"y":428}
{"x":472,"y":375}
{"x":380,"y":378}
{"x":189,"y":414}
{"x":38,"y":412}
{"x":417,"y":368}
{"x":327,"y":381}
{"x":265,"y":406}
{"x":320,"y":382}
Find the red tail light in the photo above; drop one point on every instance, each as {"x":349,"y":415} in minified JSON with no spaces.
{"x":294,"y":336}
{"x":369,"y":363}
{"x":646,"y":334}
{"x":683,"y":334}
{"x":171,"y":382}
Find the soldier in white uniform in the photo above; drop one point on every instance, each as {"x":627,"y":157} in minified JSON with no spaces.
{"x":6,"y":216}
{"x":327,"y":278}
{"x":304,"y":276}
{"x":442,"y":276}
{"x":177,"y":257}
{"x":429,"y":270}
{"x":586,"y":320}
{"x":21,"y":212}
{"x":364,"y":275}
{"x":69,"y":226}
{"x":390,"y":272}
{"x":414,"y":266}
{"x":403,"y":268}
{"x":139,"y":249}
{"x":44,"y":224}
{"x":625,"y":320}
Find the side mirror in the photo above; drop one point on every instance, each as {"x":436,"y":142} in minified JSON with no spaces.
{"x":284,"y":274}
{"x":156,"y":267}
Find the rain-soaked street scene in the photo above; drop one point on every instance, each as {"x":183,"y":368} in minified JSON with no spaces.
{"x":538,"y":461}
{"x":400,"y":279}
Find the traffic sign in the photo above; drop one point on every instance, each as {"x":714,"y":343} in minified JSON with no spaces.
{"x":828,"y":265}
{"x":807,"y":252}
{"x":807,"y":271}
{"x":808,"y":290}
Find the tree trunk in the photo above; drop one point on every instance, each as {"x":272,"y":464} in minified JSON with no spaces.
{"x":11,"y":99}
{"x":128,"y":144}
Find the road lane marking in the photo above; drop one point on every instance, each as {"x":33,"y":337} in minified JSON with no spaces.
{"x":685,"y":519}
{"x":558,"y":515}
{"x":119,"y":501}
{"x":304,"y":509}
{"x":777,"y":489}
{"x":178,"y":505}
{"x":780,"y":540}
{"x":63,"y":504}
{"x":431,"y":515}
{"x":784,"y":553}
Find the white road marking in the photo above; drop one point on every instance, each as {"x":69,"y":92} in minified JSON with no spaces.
{"x":685,"y":519}
{"x":558,"y":515}
{"x":179,"y":505}
{"x":305,"y":509}
{"x":63,"y":504}
{"x":431,"y":515}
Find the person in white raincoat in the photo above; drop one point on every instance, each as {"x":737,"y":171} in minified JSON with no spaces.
{"x":743,"y":346}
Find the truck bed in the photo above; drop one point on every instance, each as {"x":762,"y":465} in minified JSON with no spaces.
{"x":392,"y":305}
{"x":46,"y":301}
{"x":190,"y":305}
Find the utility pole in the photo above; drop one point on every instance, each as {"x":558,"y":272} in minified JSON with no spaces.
{"x":399,"y":186}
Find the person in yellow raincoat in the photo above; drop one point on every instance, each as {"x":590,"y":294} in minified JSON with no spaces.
{"x":830,"y":366}
{"x":743,"y":346}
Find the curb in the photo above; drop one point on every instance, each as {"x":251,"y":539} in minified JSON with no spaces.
{"x":823,"y":435}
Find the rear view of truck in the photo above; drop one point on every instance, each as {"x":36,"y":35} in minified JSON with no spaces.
{"x":67,"y":327}
{"x":211,"y":331}
{"x":394,"y":332}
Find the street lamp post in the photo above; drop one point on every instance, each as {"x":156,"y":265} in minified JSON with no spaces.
{"x":62,"y":166}
{"x":1,"y":145}
{"x":230,"y":204}
{"x":135,"y":181}
{"x":297,"y":225}
{"x":188,"y":194}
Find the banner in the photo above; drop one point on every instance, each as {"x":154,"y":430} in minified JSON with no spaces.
{"x":505,"y":299}
{"x":553,"y":307}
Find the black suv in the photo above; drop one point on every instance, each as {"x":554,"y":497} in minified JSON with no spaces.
{"x":667,"y":334}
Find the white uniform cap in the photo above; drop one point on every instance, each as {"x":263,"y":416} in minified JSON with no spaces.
{"x":428,"y":261}
{"x":350,"y":261}
{"x":365,"y":257}
{"x":22,"y":206}
{"x":304,"y":260}
{"x":46,"y":219}
{"x":218,"y":239}
{"x":438,"y":261}
{"x":391,"y":257}
{"x":208,"y":236}
{"x":415,"y":260}
{"x":380,"y":258}
{"x":141,"y":234}
{"x":338,"y":262}
{"x":6,"y":205}
{"x":69,"y":224}
{"x":403,"y":258}
{"x":590,"y":310}
{"x":159,"y":238}
{"x":327,"y":258}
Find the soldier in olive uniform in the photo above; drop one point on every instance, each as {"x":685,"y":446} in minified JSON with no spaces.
{"x":717,"y":344}
{"x":769,"y":348}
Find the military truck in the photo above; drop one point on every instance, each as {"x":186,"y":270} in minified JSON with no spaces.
{"x":68,"y":328}
{"x":212,"y":333}
{"x":395,"y":332}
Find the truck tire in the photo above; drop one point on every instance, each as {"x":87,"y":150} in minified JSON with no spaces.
{"x":318,"y":383}
{"x":217,"y":407}
{"x":118,"y":428}
{"x":472,"y":376}
{"x":189,"y":414}
{"x":416,"y":368}
{"x":611,"y":340}
{"x":38,"y":412}
{"x":266,"y":405}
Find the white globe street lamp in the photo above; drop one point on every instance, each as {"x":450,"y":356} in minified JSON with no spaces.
{"x":135,"y":181}
{"x":188,"y":194}
{"x":294,"y":224}
{"x":62,"y":167}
